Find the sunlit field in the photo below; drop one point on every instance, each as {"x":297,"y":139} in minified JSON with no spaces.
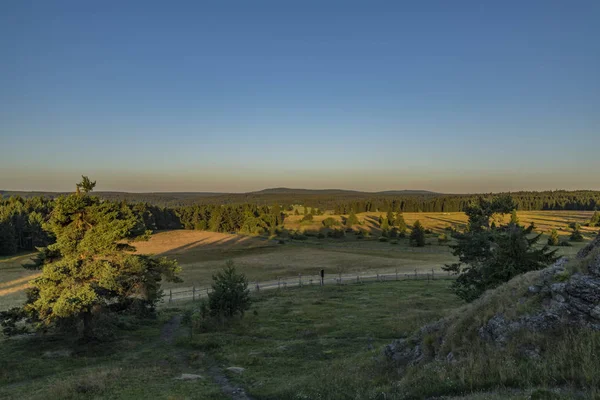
{"x":202,"y":253}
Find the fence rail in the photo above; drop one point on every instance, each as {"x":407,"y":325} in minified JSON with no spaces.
{"x":194,"y":293}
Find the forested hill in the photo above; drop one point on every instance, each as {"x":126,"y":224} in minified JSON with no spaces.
{"x":342,"y":201}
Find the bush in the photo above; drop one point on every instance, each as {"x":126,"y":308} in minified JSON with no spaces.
{"x":336,"y":233}
{"x":564,"y":243}
{"x":576,"y":235}
{"x":307,"y":218}
{"x":330,"y":221}
{"x":230,"y":294}
{"x":417,"y":235}
{"x":383,"y":239}
{"x":553,"y":239}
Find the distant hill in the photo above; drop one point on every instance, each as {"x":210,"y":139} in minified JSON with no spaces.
{"x":283,"y":190}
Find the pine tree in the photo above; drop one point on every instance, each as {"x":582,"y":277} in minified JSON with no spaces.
{"x":417,"y":235}
{"x":514,"y":219}
{"x":553,"y":240}
{"x":595,"y":220}
{"x":390,"y":218}
{"x":88,"y":272}
{"x":385,"y":227}
{"x":352,"y":219}
{"x":230,"y":294}
{"x":490,"y":256}
{"x":576,"y":235}
{"x":401,"y":224}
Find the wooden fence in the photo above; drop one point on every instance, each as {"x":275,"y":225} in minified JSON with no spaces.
{"x":194,"y":293}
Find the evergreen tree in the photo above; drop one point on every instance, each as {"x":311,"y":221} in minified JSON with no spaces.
{"x":230,"y":294}
{"x":8,"y":239}
{"x":576,"y":235}
{"x":88,"y":272}
{"x":401,"y":224}
{"x":352,"y":219}
{"x":595,"y":220}
{"x":493,"y":256}
{"x":390,"y":218}
{"x":553,"y":240}
{"x":514,"y":219}
{"x":417,"y":235}
{"x":385,"y":226}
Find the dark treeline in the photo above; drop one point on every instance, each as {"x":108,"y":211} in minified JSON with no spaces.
{"x":524,"y":201}
{"x":342,"y":201}
{"x":22,"y":218}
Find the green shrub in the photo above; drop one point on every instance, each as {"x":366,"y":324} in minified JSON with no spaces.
{"x":553,"y":240}
{"x":330,"y":221}
{"x":230,"y":294}
{"x":576,"y":235}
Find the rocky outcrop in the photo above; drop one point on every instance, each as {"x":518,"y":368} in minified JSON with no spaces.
{"x":562,"y":300}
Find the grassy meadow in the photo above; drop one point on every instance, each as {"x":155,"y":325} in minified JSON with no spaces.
{"x":293,"y":344}
{"x":297,"y":343}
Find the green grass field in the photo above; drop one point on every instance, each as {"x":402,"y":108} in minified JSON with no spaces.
{"x":300,"y":343}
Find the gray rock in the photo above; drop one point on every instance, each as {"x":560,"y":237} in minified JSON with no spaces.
{"x":235,"y":370}
{"x":188,"y":377}
{"x":64,"y":353}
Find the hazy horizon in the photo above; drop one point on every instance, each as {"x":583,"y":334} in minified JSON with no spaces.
{"x":148,"y":97}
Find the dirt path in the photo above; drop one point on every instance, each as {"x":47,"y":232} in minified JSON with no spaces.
{"x":170,"y":329}
{"x":230,"y":389}
{"x":168,"y":334}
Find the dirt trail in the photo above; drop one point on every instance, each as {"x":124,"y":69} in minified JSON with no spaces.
{"x":170,"y":329}
{"x":168,"y":334}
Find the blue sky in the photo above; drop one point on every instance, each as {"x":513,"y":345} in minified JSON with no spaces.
{"x":462,"y":96}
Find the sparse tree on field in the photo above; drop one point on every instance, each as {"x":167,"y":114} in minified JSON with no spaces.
{"x":390,"y":218}
{"x":417,"y":235}
{"x":352,"y":219}
{"x":401,"y":224}
{"x":576,"y":235}
{"x":514,"y":219}
{"x":553,"y":240}
{"x":385,"y":226}
{"x":595,"y":220}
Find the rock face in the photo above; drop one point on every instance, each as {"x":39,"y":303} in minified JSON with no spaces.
{"x":566,"y":301}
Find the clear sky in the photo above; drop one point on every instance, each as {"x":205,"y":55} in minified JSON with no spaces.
{"x":451,"y":96}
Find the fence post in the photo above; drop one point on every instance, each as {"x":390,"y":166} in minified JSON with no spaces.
{"x":257,"y":287}
{"x":206,"y":292}
{"x":340,"y":275}
{"x":170,"y":295}
{"x":357,"y":281}
{"x":396,"y":273}
{"x":432,"y":274}
{"x":300,"y":280}
{"x":193,"y":293}
{"x":378,"y":277}
{"x":278,"y":283}
{"x":310,"y":281}
{"x":284,"y":284}
{"x":415,"y":274}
